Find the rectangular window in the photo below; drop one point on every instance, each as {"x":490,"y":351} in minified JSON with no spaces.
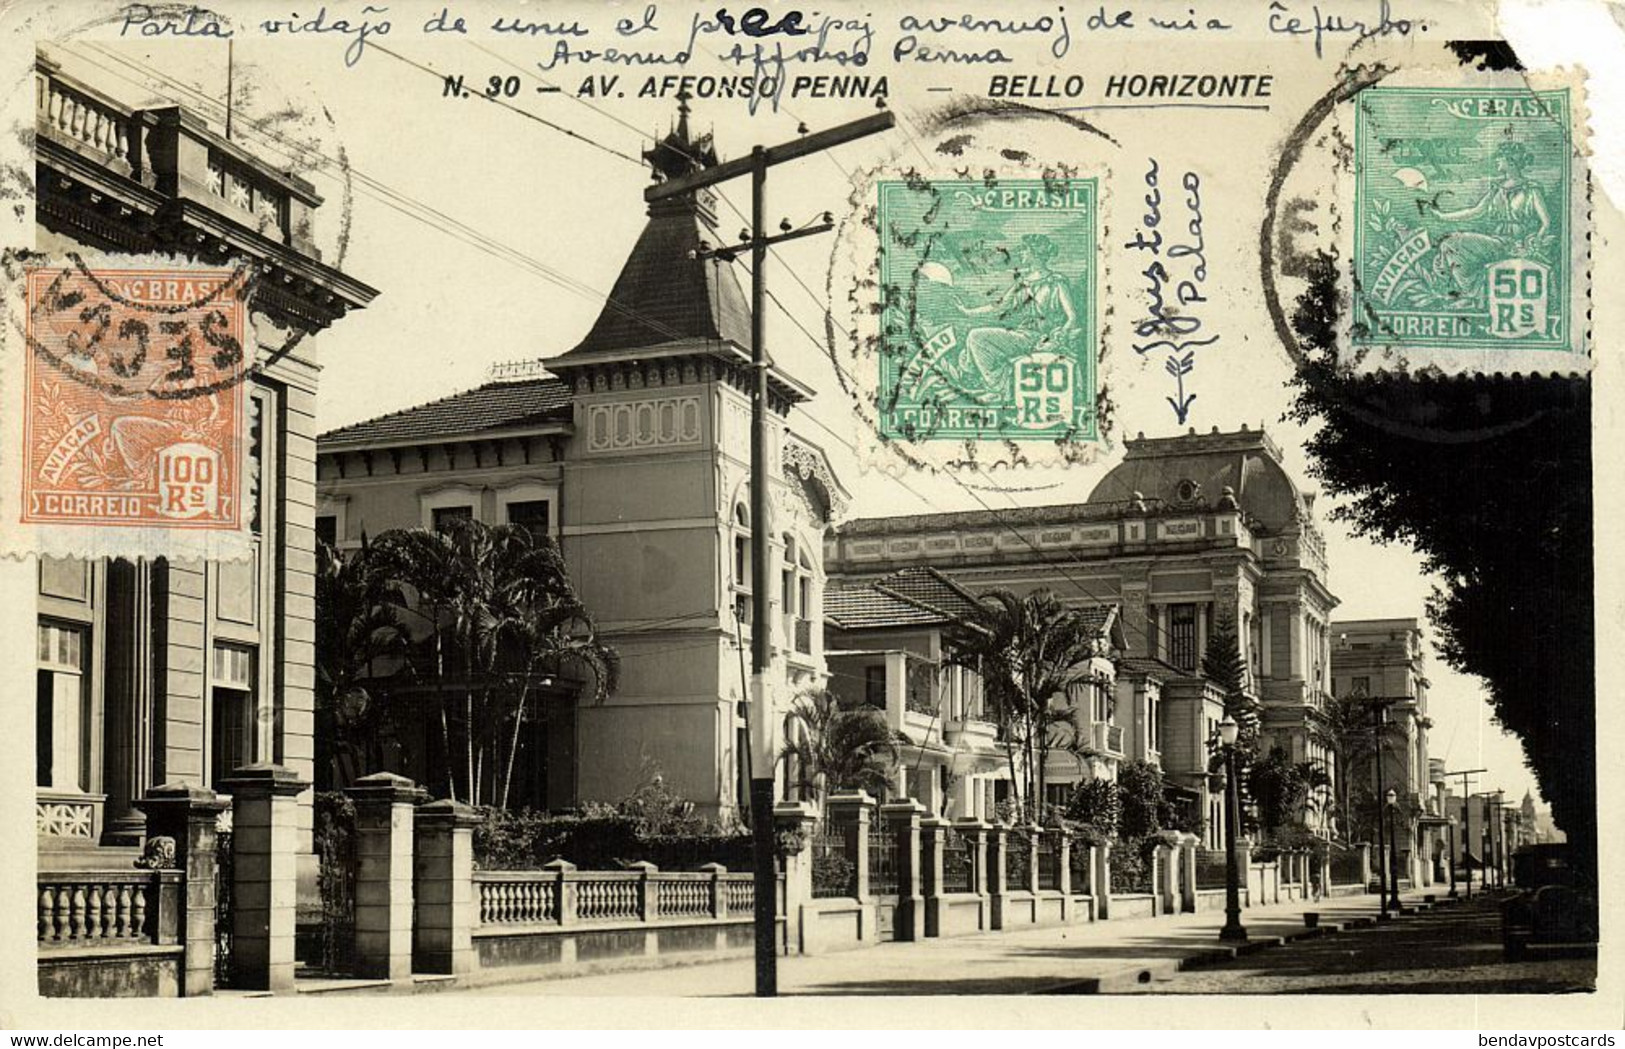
{"x":231,"y":743}
{"x":1182,"y":637}
{"x":327,"y":529}
{"x":1362,"y":686}
{"x":533,"y":515}
{"x":59,"y":708}
{"x":804,"y":598}
{"x":445,"y":518}
{"x":874,"y":686}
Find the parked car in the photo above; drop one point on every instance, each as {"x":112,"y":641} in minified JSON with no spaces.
{"x":1556,"y":913}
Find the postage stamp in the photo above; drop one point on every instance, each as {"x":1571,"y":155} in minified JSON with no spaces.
{"x":989,"y":309}
{"x":1467,"y":232}
{"x":132,"y":400}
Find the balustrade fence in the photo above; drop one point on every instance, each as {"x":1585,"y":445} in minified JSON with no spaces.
{"x":100,"y":908}
{"x":521,"y":899}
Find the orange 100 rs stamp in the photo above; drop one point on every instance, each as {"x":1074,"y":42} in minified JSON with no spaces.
{"x":133,"y":398}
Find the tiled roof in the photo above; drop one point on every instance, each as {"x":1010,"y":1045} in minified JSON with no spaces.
{"x":1097,"y":617}
{"x":867,"y":606}
{"x":930,"y":587}
{"x":494,"y":406}
{"x":1154,"y":667}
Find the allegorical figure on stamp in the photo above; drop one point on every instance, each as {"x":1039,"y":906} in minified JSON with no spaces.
{"x":1512,"y":220}
{"x":1035,"y":314}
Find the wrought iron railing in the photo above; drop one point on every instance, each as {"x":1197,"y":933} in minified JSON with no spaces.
{"x":1131,"y":871}
{"x":1049,"y":863}
{"x":1078,"y":859}
{"x":958,"y":863}
{"x":335,"y":879}
{"x":833,"y":872}
{"x":882,"y":861}
{"x":1017,"y":861}
{"x":225,"y":868}
{"x":1210,"y":869}
{"x":1347,"y":867}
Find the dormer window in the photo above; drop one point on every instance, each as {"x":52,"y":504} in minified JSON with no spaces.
{"x":1187,"y":491}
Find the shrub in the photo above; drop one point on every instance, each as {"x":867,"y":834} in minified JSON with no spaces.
{"x":832,"y":875}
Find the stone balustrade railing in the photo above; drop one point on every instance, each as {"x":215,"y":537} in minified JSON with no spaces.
{"x":104,"y":908}
{"x":68,"y":113}
{"x":561,"y":895}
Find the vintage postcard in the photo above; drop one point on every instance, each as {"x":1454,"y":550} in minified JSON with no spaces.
{"x":1087,"y":511}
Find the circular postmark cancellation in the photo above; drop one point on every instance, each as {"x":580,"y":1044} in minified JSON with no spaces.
{"x":973,"y":277}
{"x":1427,"y":219}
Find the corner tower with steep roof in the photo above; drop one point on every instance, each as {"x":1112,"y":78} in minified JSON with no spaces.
{"x":637,"y":439}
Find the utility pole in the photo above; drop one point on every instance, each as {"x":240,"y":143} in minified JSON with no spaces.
{"x":1467,"y":819}
{"x":760,"y":720}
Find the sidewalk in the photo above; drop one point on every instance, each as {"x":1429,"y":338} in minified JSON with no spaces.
{"x":1098,"y":958}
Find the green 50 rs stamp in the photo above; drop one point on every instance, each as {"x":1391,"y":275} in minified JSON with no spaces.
{"x":1466,"y":220}
{"x":988,"y":309}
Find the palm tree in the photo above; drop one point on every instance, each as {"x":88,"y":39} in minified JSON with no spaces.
{"x":1030,"y":651}
{"x":359,"y":644}
{"x":495,"y":606}
{"x":837,"y":748}
{"x":1346,"y":727}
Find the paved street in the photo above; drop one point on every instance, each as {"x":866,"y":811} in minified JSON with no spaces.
{"x":1454,"y":950}
{"x":1457,"y":947}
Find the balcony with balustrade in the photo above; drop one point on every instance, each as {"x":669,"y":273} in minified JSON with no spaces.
{"x":160,"y":178}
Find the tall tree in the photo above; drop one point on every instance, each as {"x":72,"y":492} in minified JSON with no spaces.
{"x":1032,"y":651}
{"x":492,"y":612}
{"x":831,"y":748}
{"x":1489,"y":479}
{"x":1346,"y":727}
{"x":359,"y":644}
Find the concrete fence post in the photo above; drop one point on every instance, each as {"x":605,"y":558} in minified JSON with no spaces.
{"x":1166,"y":858}
{"x":445,"y":909}
{"x":648,"y":891}
{"x":719,"y":895}
{"x":795,"y":822}
{"x":384,"y":821}
{"x":998,"y":887}
{"x":902,"y":820}
{"x":565,"y":891}
{"x":851,"y":812}
{"x":932,"y":855}
{"x":265,"y":832}
{"x":1103,"y":880}
{"x":1188,"y":845}
{"x":1031,"y":833}
{"x":188,"y":814}
{"x":1063,"y":856}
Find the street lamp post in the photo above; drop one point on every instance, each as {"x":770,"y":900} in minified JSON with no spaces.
{"x":1392,"y":902}
{"x":1379,"y":713}
{"x":1233,"y":930}
{"x":1450,"y":857}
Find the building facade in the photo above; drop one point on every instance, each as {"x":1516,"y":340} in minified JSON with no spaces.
{"x":1186,"y":532}
{"x":631,"y":450}
{"x":153,"y":671}
{"x":1384,"y":661}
